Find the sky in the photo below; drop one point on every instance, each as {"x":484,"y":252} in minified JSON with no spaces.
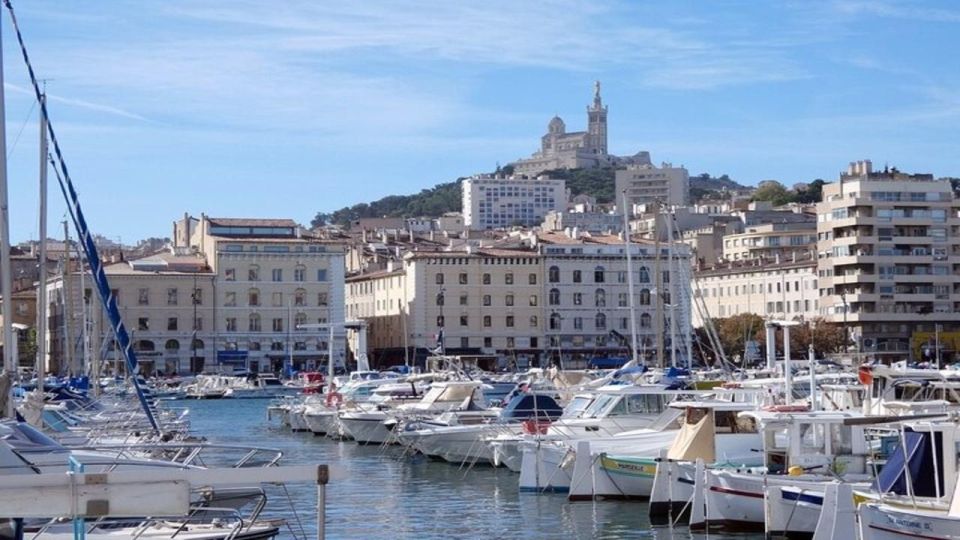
{"x":241,"y":108}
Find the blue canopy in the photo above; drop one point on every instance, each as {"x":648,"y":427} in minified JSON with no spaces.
{"x":913,"y":455}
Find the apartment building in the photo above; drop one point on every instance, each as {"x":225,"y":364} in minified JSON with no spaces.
{"x":648,"y":184}
{"x":563,"y":299}
{"x":772,"y":241}
{"x":775,"y":289}
{"x":588,"y":303}
{"x":889,"y":253}
{"x":497,"y":202}
{"x":273,"y":280}
{"x":166,"y":302}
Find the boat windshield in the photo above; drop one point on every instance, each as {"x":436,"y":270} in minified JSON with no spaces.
{"x":577,"y":406}
{"x":599,"y":406}
{"x":455,"y":392}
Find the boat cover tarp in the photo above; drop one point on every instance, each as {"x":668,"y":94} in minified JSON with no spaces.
{"x":913,"y":455}
{"x":695,"y":441}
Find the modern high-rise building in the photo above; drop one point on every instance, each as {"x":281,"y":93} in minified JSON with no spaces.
{"x":496,"y":202}
{"x":889,"y":252}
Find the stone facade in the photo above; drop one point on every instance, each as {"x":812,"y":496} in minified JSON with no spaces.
{"x":496,"y":202}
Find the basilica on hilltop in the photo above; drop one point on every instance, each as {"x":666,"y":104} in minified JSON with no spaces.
{"x":560,"y":149}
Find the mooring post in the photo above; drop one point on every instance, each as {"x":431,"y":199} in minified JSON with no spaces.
{"x":323,"y":476}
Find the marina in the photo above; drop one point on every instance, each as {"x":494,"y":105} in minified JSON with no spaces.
{"x":578,"y":344}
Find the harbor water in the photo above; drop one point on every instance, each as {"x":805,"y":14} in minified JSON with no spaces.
{"x":388,"y":494}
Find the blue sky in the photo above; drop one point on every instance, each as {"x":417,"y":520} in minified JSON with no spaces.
{"x":282,"y":109}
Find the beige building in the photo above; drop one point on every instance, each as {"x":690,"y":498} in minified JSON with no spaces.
{"x":774,"y":241}
{"x":231,"y":294}
{"x":889,"y":254}
{"x":565,"y":300}
{"x":648,"y":184}
{"x":781,"y":290}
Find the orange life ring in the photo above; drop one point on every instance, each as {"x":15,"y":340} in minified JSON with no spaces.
{"x":334,"y":399}
{"x":787,"y":408}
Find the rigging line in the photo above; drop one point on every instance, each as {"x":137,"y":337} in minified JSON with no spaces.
{"x":33,"y":105}
{"x":93,"y":257}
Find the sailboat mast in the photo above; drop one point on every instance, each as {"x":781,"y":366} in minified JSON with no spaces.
{"x":67,"y":304}
{"x":6,"y":288}
{"x":633,"y":313}
{"x":658,"y":284}
{"x":42,"y":263}
{"x":673,"y":290}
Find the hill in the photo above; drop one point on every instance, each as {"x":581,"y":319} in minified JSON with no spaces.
{"x":445,"y":197}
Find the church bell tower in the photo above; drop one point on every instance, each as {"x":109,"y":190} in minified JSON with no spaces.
{"x":597,"y":122}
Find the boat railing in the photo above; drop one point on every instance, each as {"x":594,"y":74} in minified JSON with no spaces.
{"x":192,"y":453}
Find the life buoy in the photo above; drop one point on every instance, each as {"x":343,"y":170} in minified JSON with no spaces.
{"x":535,"y":427}
{"x":787,"y":408}
{"x":334,"y":399}
{"x":865,"y":374}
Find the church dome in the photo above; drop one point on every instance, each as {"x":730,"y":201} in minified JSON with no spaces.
{"x":556,"y":125}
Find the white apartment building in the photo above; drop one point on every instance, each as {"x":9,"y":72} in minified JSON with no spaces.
{"x":495,"y":202}
{"x":648,"y":184}
{"x":889,"y":254}
{"x":780,"y":290}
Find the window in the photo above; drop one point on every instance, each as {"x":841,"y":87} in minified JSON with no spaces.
{"x":509,"y":300}
{"x":644,"y":297}
{"x":621,"y":277}
{"x":508,"y":278}
{"x":463,"y":278}
{"x":322,"y":299}
{"x":600,"y":298}
{"x":253,"y":297}
{"x":230,"y":299}
{"x":300,"y":298}
{"x":645,"y":320}
{"x":511,"y":343}
{"x":197,"y":296}
{"x":532,"y":279}
{"x":622,"y":300}
{"x":534,"y":343}
{"x":644,"y":275}
{"x":577,"y":299}
{"x":486,"y":279}
{"x":464,"y":320}
{"x":533,"y":300}
{"x":231,"y":324}
{"x":253,"y":273}
{"x":464,"y":343}
{"x":278,"y":324}
{"x":598,"y":274}
{"x":488,"y":342}
{"x":254,"y":323}
{"x":463,"y":299}
{"x":277,"y":299}
{"x":171,"y":297}
{"x":230,"y":274}
{"x":509,"y":321}
{"x":439,"y":279}
{"x":554,"y":299}
{"x":277,"y":274}
{"x":578,"y":323}
{"x":577,"y":278}
{"x":486,"y":299}
{"x":276,"y":346}
{"x":601,"y":321}
{"x":487,"y":321}
{"x":299,"y":345}
{"x":172,"y":324}
{"x":553,"y":275}
{"x":554,"y":321}
{"x":322,"y":274}
{"x":440,"y":321}
{"x":300,"y":273}
{"x":198,"y":324}
{"x":440,"y":299}
{"x":143,"y":297}
{"x":534,"y":321}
